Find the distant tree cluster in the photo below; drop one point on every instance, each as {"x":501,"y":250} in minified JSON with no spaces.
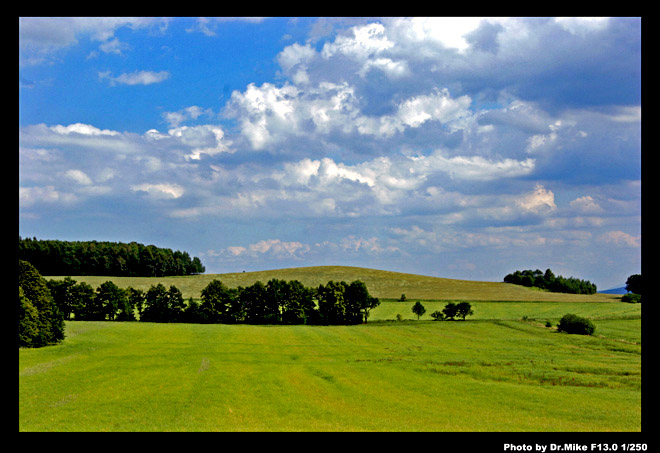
{"x":453,"y":310}
{"x":550,"y":282}
{"x":276,"y":302}
{"x":55,"y":257}
{"x":40,"y":323}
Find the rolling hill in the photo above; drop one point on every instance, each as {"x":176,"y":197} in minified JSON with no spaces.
{"x":382,"y":284}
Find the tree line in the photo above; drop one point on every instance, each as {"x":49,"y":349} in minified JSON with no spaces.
{"x":44,"y":305}
{"x":276,"y":302}
{"x":56,"y":257}
{"x":550,"y":282}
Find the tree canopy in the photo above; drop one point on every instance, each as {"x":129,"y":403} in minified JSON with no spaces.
{"x":55,"y":257}
{"x":550,"y":282}
{"x":40,"y":322}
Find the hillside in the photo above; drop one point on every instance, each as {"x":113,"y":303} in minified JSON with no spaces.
{"x":381,"y":284}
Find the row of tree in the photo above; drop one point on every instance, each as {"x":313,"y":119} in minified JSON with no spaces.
{"x":276,"y":302}
{"x":55,"y":257}
{"x":448,"y":313}
{"x":550,"y":282}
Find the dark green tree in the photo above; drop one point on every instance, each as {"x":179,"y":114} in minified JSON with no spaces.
{"x":359,"y":302}
{"x":136,"y":298}
{"x":34,"y":298}
{"x":63,"y":295}
{"x":634,"y":284}
{"x":254,"y":300}
{"x":175,"y":304}
{"x":450,"y":311}
{"x":28,"y":322}
{"x":156,"y":305}
{"x":464,"y":309}
{"x":112,"y":298}
{"x":418,"y":309}
{"x":219,"y":305}
{"x":331,"y":303}
{"x":192,"y":313}
{"x":298,"y":306}
{"x":83,"y":302}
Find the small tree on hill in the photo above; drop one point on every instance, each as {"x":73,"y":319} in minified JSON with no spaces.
{"x":464,"y":309}
{"x":418,"y":309}
{"x":450,"y":311}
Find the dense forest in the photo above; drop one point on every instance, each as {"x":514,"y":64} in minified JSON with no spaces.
{"x":56,"y":257}
{"x":550,"y":282}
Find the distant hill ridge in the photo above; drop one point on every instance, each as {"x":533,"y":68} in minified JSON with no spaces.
{"x":620,"y":290}
{"x":381,"y":283}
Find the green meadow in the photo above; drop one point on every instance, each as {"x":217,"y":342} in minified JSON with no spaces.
{"x":501,"y":370}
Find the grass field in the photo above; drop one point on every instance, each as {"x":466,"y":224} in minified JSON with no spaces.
{"x":494,"y":372}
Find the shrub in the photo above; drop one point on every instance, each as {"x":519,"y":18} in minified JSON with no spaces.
{"x":571,"y":323}
{"x":437,"y":315}
{"x":632,"y":298}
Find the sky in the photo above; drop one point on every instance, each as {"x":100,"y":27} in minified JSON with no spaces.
{"x":453,"y":147}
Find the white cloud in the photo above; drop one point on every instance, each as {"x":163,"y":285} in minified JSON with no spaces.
{"x":174,"y":119}
{"x":79,"y":177}
{"x":82,"y":129}
{"x":269,"y":114}
{"x":203,"y":139}
{"x":159,"y":190}
{"x":540,"y":200}
{"x":135,"y":78}
{"x":449,"y":32}
{"x":29,"y":196}
{"x":620,"y":238}
{"x":361,"y":42}
{"x":586,"y":204}
{"x":40,"y":37}
{"x":581,"y":25}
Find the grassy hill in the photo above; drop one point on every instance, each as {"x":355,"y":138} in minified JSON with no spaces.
{"x":381,"y":284}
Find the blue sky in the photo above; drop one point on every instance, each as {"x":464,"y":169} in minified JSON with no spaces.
{"x":454,"y":147}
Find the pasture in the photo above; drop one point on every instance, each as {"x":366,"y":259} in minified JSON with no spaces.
{"x":501,"y":370}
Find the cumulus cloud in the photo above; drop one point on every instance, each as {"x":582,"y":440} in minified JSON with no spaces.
{"x":459,"y":134}
{"x":539,"y":200}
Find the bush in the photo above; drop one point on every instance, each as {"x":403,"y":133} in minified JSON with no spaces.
{"x":632,"y":298}
{"x":438,"y":315}
{"x":571,"y":323}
